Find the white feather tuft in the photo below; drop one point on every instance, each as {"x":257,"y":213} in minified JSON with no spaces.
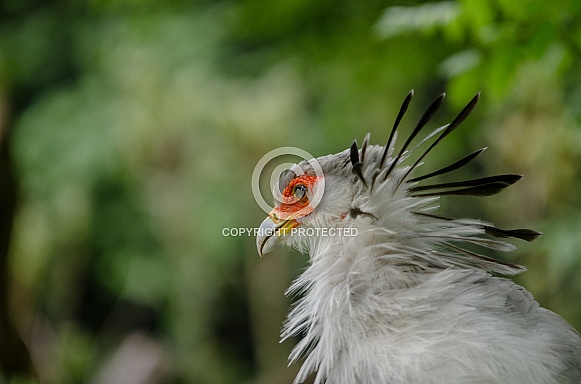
{"x":404,"y":301}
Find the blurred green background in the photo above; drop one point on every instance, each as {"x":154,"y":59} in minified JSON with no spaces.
{"x":129,"y":130}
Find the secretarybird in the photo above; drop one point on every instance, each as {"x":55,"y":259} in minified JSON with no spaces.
{"x":403,"y":300}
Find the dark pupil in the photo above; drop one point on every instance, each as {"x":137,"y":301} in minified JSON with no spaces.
{"x":300,"y":191}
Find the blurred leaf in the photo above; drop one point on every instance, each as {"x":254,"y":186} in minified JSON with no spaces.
{"x":460,"y":62}
{"x":477,"y":14}
{"x":500,"y":69}
{"x":398,"y":20}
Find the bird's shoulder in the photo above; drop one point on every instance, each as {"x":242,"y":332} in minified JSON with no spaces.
{"x":491,"y":324}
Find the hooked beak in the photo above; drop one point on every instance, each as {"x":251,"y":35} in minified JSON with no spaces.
{"x":270,"y":232}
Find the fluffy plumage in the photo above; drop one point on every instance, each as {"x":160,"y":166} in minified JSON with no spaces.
{"x":403,"y":301}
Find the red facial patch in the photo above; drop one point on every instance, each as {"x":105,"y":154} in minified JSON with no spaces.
{"x":295,"y":202}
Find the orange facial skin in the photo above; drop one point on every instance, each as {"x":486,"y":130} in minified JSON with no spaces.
{"x":295,"y":202}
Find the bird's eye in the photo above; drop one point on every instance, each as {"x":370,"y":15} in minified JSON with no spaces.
{"x":300,"y":191}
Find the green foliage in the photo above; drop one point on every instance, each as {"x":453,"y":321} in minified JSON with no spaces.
{"x":137,"y":126}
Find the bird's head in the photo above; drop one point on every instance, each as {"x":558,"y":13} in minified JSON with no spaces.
{"x":372,"y":188}
{"x":313,"y":194}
